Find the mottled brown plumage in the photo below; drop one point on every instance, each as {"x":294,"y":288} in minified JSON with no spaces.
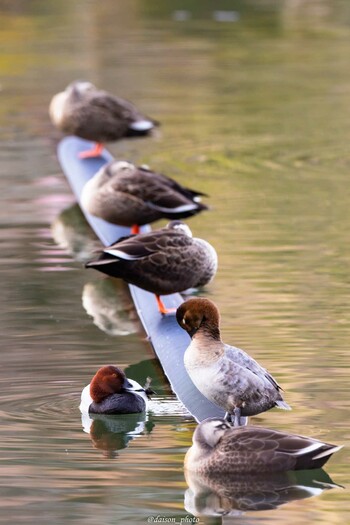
{"x":218,"y":447}
{"x":163,"y":261}
{"x":123,"y":194}
{"x":92,"y":114}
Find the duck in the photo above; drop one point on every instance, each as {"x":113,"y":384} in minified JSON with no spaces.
{"x":224,"y":374}
{"x":164,"y":261}
{"x":111,"y":392}
{"x":219,"y":448}
{"x":92,"y":114}
{"x":124,"y":194}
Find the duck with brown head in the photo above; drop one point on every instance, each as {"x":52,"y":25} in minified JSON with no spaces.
{"x":111,"y":392}
{"x":226,"y":375}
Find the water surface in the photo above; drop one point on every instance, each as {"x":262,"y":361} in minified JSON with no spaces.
{"x":254,"y":112}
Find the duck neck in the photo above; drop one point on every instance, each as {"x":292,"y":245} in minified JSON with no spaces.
{"x":207,"y":342}
{"x":209,"y":332}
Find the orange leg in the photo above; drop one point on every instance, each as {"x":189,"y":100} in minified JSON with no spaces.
{"x":162,"y":308}
{"x":94,"y":152}
{"x":135,"y":229}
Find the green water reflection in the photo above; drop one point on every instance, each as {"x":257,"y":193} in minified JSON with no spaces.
{"x":255,"y":112}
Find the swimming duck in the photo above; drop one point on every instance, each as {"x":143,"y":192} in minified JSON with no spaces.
{"x":224,"y":374}
{"x":220,"y":448}
{"x":87,"y":112}
{"x":163,"y":261}
{"x":123,"y":194}
{"x":111,"y":392}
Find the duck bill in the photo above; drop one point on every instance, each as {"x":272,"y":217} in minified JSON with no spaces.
{"x":127,"y":385}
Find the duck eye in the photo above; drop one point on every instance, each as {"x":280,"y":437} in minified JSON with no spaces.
{"x":183,"y":321}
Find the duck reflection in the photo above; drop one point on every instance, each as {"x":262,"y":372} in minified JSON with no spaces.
{"x":107,"y":301}
{"x":231,"y":495}
{"x":71,"y":231}
{"x":110,"y":433}
{"x":109,"y":304}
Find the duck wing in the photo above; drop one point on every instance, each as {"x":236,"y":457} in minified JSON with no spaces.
{"x":162,"y":262}
{"x":144,"y":245}
{"x":243,"y":359}
{"x":274,"y":450}
{"x":172,"y":203}
{"x":172,"y":184}
{"x":154,"y":190}
{"x":116,"y":107}
{"x":121,"y":403}
{"x":167,"y":196}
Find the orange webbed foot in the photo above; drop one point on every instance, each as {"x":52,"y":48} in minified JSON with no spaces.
{"x":135,"y":229}
{"x":96,"y":151}
{"x":162,"y":308}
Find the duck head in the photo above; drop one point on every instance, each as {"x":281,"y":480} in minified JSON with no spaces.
{"x":80,"y":86}
{"x":108,"y":380}
{"x":121,"y":165}
{"x":209,"y":432}
{"x":179,"y":226}
{"x":199,"y":314}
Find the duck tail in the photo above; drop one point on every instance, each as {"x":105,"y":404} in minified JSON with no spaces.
{"x":316,"y":459}
{"x":103,"y":261}
{"x":180,"y":212}
{"x":326,"y":453}
{"x":282,"y":405}
{"x":141,"y":127}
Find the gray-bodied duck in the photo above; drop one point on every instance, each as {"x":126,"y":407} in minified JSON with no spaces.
{"x":225,"y":375}
{"x":163,"y":261}
{"x":220,"y":448}
{"x":92,"y":114}
{"x":124,"y":194}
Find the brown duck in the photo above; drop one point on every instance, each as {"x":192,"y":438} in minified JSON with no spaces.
{"x":92,"y":114}
{"x":220,"y":448}
{"x":163,"y":261}
{"x":225,"y":375}
{"x":124,"y":194}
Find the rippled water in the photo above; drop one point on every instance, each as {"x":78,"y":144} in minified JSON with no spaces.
{"x":253,"y":101}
